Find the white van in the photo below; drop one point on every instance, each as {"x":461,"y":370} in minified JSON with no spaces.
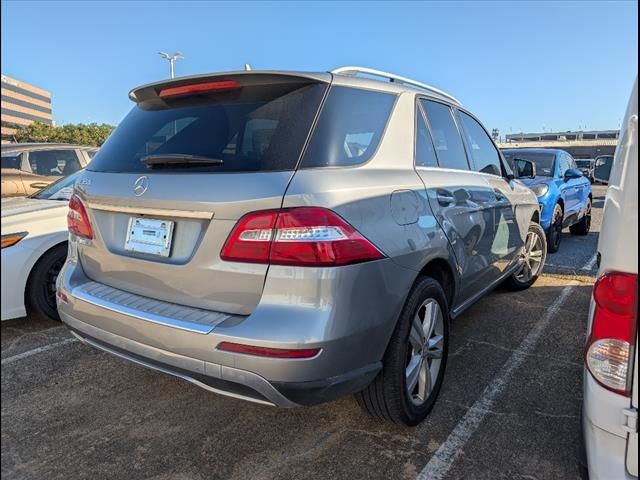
{"x":610,"y":408}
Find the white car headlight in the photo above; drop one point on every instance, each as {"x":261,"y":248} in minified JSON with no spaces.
{"x":540,"y":189}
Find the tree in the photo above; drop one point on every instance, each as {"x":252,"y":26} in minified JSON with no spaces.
{"x":91,"y":134}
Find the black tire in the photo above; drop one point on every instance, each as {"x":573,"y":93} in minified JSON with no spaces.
{"x":387,"y":397}
{"x":517,"y":281}
{"x":555,"y":230}
{"x":40,"y":295}
{"x":584,"y":225}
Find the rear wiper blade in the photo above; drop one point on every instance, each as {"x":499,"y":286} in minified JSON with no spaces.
{"x":179,"y":160}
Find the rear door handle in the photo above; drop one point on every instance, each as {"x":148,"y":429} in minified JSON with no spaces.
{"x":38,"y":184}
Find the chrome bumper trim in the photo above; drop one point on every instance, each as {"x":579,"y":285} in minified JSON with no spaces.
{"x":191,"y":319}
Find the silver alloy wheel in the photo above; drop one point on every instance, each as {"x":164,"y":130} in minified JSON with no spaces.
{"x":532,"y":257}
{"x":426,"y":342}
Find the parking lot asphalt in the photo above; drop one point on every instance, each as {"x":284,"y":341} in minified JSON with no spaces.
{"x":509,"y":406}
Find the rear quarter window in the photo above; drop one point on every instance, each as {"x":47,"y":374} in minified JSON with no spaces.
{"x":349,"y":128}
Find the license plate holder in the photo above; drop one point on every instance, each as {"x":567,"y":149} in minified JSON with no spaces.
{"x":149,"y":235}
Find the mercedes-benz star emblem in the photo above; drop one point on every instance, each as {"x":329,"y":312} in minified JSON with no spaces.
{"x":141,"y":185}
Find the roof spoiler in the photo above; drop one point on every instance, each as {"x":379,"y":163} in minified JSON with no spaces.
{"x":241,"y":78}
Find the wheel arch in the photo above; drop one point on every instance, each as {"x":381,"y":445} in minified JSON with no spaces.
{"x":440,"y":270}
{"x":536,"y":216}
{"x":35,"y":264}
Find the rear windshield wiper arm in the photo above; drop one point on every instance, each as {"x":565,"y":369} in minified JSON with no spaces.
{"x":161,"y":160}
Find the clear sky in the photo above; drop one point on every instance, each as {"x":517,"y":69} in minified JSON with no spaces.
{"x":523,"y":66}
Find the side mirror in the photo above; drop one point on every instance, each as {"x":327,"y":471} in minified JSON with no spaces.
{"x":524,"y":168}
{"x":572,"y":173}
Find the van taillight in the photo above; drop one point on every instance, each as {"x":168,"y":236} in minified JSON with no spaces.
{"x":612,"y":341}
{"x":306,"y":236}
{"x":77,"y":219}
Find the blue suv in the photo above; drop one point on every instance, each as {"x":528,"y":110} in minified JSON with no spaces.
{"x":563,"y":192}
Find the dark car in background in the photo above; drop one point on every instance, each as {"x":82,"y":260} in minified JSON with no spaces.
{"x":602,"y":168}
{"x":29,"y":167}
{"x":586,"y":166}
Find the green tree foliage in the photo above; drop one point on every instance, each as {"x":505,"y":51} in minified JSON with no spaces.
{"x":91,"y":134}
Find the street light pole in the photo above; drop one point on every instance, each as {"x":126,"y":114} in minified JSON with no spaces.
{"x":171,"y":59}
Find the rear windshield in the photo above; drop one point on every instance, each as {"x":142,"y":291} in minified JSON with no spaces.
{"x":544,"y":161}
{"x":258,"y":128}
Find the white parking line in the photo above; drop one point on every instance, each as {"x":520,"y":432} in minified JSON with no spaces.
{"x":44,"y":348}
{"x":444,"y":457}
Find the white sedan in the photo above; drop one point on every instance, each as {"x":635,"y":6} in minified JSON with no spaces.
{"x":34,"y":248}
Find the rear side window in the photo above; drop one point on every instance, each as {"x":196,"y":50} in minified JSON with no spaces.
{"x":257,"y":128}
{"x":483,"y":153}
{"x":349,"y":128}
{"x":446,"y":136}
{"x":425,"y":153}
{"x":11,"y":161}
{"x":54,"y":162}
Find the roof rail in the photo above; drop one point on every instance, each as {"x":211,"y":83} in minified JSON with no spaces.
{"x":355,"y":70}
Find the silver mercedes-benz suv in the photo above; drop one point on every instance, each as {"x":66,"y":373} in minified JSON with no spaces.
{"x":288,"y":238}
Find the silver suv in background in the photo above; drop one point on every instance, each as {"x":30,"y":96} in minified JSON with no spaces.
{"x":288,"y":238}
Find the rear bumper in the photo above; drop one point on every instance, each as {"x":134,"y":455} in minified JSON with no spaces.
{"x":230,"y":381}
{"x":606,"y":453}
{"x":604,"y":439}
{"x":352,"y":337}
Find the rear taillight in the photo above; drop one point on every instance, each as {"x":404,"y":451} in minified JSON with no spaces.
{"x":267,"y":351}
{"x":613,"y":332}
{"x":306,"y":236}
{"x":77,"y":219}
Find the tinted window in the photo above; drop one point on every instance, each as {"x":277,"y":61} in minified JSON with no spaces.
{"x":54,"y":162}
{"x":446,"y":136}
{"x":255,"y":128}
{"x":603,"y":167}
{"x":544,"y":160}
{"x":483,"y":153}
{"x":425,"y":153}
{"x":92,"y":153}
{"x":11,"y":161}
{"x":349,"y":128}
